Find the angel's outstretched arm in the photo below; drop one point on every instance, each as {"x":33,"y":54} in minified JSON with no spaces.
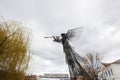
{"x":56,"y":39}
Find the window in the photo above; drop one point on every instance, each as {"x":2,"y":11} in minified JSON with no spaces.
{"x":113,"y":79}
{"x":111,"y":71}
{"x":106,"y":74}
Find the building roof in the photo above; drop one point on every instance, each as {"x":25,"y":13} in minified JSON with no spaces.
{"x":115,"y":62}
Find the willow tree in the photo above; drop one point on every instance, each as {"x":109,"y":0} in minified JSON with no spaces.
{"x":14,"y":50}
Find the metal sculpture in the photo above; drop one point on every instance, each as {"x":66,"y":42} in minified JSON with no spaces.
{"x":72,"y":58}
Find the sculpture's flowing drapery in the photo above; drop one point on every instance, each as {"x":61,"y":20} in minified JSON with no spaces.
{"x":72,"y":58}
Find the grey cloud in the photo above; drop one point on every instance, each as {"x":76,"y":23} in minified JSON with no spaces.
{"x":100,"y":19}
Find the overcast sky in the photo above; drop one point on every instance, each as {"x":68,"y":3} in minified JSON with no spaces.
{"x":100,"y":18}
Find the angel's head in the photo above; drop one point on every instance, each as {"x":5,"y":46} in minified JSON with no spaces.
{"x":63,"y":35}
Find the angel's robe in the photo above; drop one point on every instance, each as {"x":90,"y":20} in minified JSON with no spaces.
{"x":72,"y":58}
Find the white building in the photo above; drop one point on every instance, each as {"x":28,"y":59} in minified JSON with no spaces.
{"x":54,"y":76}
{"x":111,"y":71}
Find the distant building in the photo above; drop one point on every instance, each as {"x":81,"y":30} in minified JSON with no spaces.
{"x":31,"y":77}
{"x":56,"y":76}
{"x":111,"y":71}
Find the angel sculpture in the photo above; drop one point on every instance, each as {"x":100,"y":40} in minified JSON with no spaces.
{"x":72,"y":58}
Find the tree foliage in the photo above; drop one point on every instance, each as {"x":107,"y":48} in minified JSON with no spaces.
{"x":14,"y":50}
{"x":92,"y":65}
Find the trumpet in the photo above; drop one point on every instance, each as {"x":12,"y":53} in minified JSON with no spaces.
{"x":52,"y":37}
{"x":48,"y":37}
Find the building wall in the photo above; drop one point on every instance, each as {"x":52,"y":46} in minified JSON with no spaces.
{"x":116,"y":73}
{"x":111,"y":72}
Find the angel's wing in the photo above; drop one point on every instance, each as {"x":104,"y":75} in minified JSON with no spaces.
{"x":75,"y":33}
